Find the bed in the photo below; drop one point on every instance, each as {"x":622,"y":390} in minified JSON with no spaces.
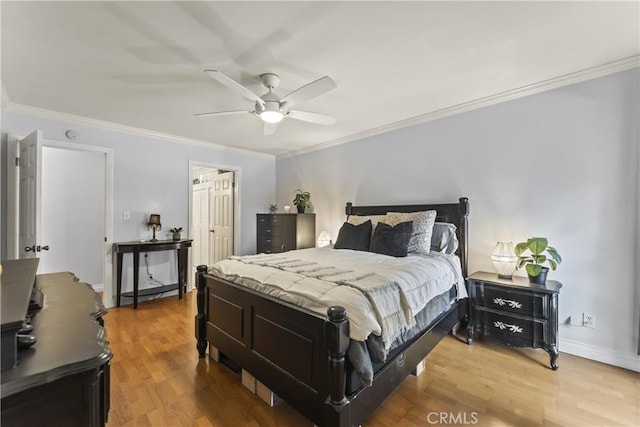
{"x":300,"y":354}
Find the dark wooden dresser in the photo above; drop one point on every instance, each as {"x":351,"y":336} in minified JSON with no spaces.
{"x":63,"y":379}
{"x":285,"y":232}
{"x":516,"y":312}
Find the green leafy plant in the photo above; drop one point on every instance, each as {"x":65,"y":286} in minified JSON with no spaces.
{"x":530,"y":255}
{"x":302,"y":198}
{"x":176,"y":230}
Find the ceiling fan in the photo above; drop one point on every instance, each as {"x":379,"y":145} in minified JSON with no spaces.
{"x":273,"y":109}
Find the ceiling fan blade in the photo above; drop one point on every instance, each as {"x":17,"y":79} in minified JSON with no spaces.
{"x":270,"y":128}
{"x":223,"y":113}
{"x":320,"y":119}
{"x":310,"y":91}
{"x":233,"y":85}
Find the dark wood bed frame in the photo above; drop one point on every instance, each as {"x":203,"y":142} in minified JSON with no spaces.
{"x":299,"y":354}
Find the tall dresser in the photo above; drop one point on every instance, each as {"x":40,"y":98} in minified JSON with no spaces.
{"x":285,"y":232}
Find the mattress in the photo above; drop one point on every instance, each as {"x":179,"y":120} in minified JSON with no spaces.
{"x":381,"y":294}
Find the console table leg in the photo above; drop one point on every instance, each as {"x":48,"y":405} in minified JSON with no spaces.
{"x":136,"y":266}
{"x":118,"y":278}
{"x":181,"y":263}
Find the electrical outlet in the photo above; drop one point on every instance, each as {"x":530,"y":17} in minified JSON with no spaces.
{"x":589,"y":320}
{"x":575,"y":320}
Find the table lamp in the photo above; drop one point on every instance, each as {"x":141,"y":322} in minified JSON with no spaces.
{"x":504,"y":259}
{"x":154,"y":223}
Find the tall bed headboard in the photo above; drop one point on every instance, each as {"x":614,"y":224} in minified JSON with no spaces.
{"x":454,"y":213}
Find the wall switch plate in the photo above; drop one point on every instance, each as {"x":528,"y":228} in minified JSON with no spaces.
{"x":589,"y":320}
{"x":126,"y":216}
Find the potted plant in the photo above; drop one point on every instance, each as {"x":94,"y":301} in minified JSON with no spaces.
{"x":176,"y":232}
{"x":530,"y":255}
{"x":301,"y":200}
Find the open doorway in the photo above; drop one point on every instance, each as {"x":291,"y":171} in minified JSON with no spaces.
{"x":212,"y":214}
{"x":69,"y":211}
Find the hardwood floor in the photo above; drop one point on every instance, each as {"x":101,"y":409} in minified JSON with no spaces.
{"x":158,"y":380}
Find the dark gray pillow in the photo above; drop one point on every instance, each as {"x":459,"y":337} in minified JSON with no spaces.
{"x":356,"y":237}
{"x":393,"y":241}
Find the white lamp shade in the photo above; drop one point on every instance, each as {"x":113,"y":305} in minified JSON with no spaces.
{"x":324,"y":239}
{"x":504,"y":259}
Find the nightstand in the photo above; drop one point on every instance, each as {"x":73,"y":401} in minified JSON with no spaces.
{"x":516,"y":312}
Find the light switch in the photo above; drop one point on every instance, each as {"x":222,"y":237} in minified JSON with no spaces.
{"x":126,"y":216}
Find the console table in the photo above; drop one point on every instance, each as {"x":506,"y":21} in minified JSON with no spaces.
{"x":182,"y":248}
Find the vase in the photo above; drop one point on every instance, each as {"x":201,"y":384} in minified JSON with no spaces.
{"x":176,"y":236}
{"x":541,"y":278}
{"x":300,"y":208}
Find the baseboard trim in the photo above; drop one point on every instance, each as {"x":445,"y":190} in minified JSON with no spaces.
{"x":98,"y":288}
{"x":600,"y":354}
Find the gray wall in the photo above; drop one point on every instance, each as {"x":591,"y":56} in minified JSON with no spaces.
{"x":561,"y":164}
{"x":151,"y":176}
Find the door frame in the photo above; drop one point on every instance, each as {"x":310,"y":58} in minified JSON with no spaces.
{"x":236,"y":206}
{"x":12,"y":207}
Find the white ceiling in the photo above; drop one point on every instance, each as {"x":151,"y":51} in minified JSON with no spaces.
{"x":141,"y":63}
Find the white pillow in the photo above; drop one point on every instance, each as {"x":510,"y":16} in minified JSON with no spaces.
{"x":359,"y":219}
{"x":444,"y":238}
{"x":420,"y":243}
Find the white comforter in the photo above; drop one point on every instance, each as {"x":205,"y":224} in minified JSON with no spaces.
{"x":381,"y":294}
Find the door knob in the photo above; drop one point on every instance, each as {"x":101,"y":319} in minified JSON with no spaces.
{"x":212,"y":231}
{"x":30,"y":248}
{"x":45,"y":248}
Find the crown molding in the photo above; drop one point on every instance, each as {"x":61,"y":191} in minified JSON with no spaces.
{"x":131,"y":130}
{"x":532,"y":89}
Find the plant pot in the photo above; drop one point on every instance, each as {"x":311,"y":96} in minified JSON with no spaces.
{"x":541,"y":278}
{"x":301,"y":208}
{"x":176,"y":236}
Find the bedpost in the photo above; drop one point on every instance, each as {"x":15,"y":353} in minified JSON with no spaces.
{"x":347,"y":208}
{"x":201,"y":319}
{"x":336,"y":332}
{"x":463,"y":210}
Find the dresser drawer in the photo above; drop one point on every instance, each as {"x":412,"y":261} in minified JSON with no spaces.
{"x":269,"y":225}
{"x":271,"y":242}
{"x":512,"y":301}
{"x":515,"y":331}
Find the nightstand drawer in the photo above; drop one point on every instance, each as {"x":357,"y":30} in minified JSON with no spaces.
{"x":512,"y":301}
{"x":515,"y":331}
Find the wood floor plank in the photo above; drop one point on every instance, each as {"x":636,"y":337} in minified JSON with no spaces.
{"x":158,"y":380}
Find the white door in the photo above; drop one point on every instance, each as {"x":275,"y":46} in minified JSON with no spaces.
{"x":222,"y":226}
{"x":30,"y":192}
{"x":200,"y":223}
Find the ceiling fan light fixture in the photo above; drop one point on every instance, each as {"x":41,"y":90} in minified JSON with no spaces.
{"x":272,"y":116}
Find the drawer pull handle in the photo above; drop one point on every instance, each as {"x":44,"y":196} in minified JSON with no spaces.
{"x":502,"y":326}
{"x":501,"y":302}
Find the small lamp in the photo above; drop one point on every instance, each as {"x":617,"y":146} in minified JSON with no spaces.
{"x":324,"y":239}
{"x":504,"y":259}
{"x":154,"y":223}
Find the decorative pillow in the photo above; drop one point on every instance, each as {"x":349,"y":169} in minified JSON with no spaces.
{"x":444,"y":239}
{"x":359,"y":219}
{"x":356,"y":237}
{"x":423,"y":221}
{"x":392,"y":240}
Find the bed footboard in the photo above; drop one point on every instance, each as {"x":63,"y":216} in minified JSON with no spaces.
{"x":298,"y":354}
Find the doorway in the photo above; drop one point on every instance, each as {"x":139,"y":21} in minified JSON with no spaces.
{"x":212,"y":213}
{"x":72,"y":207}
